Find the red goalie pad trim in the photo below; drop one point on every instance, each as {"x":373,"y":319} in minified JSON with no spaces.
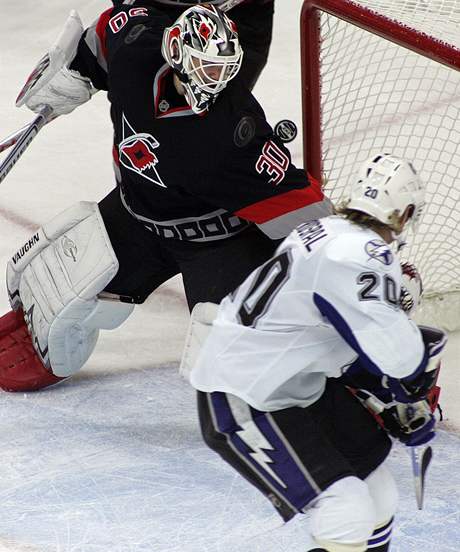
{"x":20,"y":367}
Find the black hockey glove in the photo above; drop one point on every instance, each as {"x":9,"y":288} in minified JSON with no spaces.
{"x":412,"y":389}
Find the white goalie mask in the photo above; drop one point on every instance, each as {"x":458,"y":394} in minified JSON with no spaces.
{"x":203,"y":49}
{"x":385,"y":187}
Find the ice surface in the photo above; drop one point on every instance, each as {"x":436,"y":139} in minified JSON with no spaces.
{"x":113,"y":460}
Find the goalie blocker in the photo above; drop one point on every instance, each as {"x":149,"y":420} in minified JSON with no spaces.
{"x":53,"y":283}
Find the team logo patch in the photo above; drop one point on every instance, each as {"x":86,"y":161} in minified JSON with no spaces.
{"x":69,"y":248}
{"x":286,"y":130}
{"x":136,"y":152}
{"x":244,"y":132}
{"x":135,"y":33}
{"x":379,"y":250}
{"x":163,"y":106}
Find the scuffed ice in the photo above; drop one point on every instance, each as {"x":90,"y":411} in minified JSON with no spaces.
{"x":114,"y":461}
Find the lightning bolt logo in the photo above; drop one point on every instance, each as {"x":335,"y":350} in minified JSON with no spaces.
{"x":256,"y":441}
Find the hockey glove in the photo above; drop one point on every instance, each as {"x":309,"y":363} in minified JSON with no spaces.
{"x":412,"y":389}
{"x":52,"y":83}
{"x":411,"y":289}
{"x":63,"y":93}
{"x":412,"y":424}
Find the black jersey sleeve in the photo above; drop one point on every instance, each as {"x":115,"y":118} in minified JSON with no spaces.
{"x":135,"y":27}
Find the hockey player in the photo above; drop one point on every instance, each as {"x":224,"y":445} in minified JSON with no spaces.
{"x":204,"y":187}
{"x":321,"y":314}
{"x":254,"y":19}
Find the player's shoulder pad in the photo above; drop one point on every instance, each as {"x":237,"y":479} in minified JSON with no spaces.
{"x":247,"y":116}
{"x":127,"y":23}
{"x":312,"y":235}
{"x":360,"y":246}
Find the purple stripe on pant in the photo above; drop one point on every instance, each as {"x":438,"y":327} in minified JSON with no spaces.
{"x":264,"y":450}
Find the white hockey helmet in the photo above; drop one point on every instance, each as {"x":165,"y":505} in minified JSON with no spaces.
{"x":203,"y":49}
{"x":385,"y":187}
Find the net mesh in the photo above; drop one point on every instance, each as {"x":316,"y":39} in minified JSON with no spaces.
{"x":378,"y":96}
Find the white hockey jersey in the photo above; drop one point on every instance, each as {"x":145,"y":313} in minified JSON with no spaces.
{"x":328,"y":296}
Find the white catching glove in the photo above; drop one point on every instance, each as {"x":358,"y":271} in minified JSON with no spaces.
{"x":52,"y":83}
{"x":63,"y":93}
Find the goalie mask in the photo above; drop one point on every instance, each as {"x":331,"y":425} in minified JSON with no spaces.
{"x":385,"y":187}
{"x":203,"y":49}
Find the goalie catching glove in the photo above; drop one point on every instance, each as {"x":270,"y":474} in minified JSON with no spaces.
{"x":52,"y":83}
{"x":53,"y":281}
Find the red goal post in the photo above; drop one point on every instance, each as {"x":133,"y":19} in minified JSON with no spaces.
{"x":385,"y":75}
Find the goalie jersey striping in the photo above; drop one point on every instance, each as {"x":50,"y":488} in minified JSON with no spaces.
{"x":329,"y":296}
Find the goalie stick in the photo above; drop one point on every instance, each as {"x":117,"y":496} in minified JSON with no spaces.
{"x":24,"y":139}
{"x":229,"y":4}
{"x":420,"y":461}
{"x":11,"y":139}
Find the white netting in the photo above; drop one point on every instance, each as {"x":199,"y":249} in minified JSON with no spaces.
{"x":379,"y":96}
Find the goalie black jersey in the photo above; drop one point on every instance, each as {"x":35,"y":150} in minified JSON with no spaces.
{"x":187,"y":176}
{"x":329,"y":297}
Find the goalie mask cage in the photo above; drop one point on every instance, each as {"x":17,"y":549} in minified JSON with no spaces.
{"x":384,"y":75}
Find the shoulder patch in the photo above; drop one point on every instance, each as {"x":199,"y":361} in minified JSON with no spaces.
{"x":135,"y":33}
{"x":286,"y":130}
{"x":244,"y":132}
{"x":379,"y":250}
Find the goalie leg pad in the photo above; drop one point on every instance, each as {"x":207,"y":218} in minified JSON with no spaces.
{"x":20,"y":367}
{"x":56,"y":278}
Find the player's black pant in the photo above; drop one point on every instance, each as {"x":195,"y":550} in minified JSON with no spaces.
{"x":292,"y":455}
{"x":255,"y":25}
{"x":210,"y":270}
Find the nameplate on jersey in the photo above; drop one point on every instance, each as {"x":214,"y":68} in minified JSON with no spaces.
{"x":311,"y":233}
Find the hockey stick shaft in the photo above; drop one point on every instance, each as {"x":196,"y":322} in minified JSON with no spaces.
{"x":229,"y":4}
{"x":12,"y":138}
{"x":23,"y":141}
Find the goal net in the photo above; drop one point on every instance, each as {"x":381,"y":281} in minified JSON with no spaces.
{"x":384,"y":75}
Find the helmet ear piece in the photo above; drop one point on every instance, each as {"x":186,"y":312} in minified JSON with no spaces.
{"x":175,"y":52}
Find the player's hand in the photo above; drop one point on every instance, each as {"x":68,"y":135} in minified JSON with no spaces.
{"x":411,"y":289}
{"x":52,"y":83}
{"x":412,"y":424}
{"x":412,"y":389}
{"x":63,"y":93}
